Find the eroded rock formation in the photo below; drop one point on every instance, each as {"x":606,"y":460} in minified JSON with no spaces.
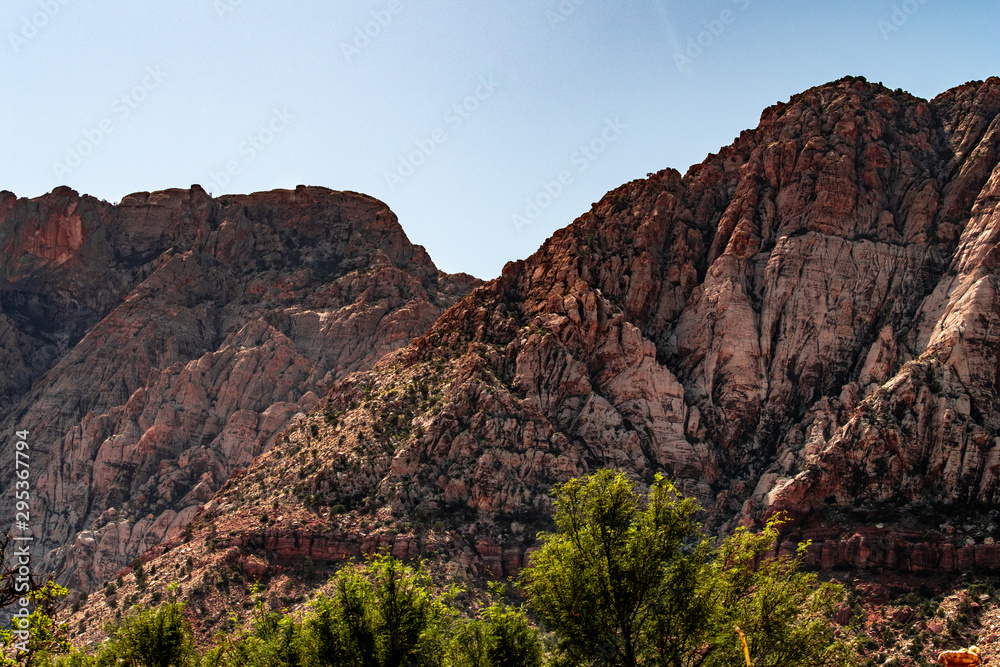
{"x":156,"y":346}
{"x":805,"y":322}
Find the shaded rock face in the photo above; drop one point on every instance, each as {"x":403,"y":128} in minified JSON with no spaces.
{"x":806,"y":322}
{"x":154,"y":347}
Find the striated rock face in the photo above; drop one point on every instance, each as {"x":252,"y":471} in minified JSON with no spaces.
{"x":154,"y":347}
{"x":806,"y":322}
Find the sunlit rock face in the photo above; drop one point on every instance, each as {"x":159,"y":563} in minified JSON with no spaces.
{"x":153,"y":347}
{"x":807,"y":322}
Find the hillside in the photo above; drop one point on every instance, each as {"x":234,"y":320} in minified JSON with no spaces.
{"x":154,"y":347}
{"x":805,"y":322}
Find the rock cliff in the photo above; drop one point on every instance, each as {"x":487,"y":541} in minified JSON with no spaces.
{"x":806,"y":322}
{"x":154,"y":347}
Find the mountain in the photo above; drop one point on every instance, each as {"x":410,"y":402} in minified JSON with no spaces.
{"x":806,"y":322}
{"x":154,"y":347}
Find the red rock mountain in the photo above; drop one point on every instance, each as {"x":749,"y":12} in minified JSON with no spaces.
{"x":154,"y":347}
{"x":808,"y":321}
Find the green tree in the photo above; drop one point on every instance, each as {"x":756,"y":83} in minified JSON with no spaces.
{"x":29,"y":641}
{"x":152,"y":638}
{"x":596,"y":581}
{"x":382,"y":614}
{"x":630,"y":580}
{"x":500,"y":637}
{"x":47,"y":637}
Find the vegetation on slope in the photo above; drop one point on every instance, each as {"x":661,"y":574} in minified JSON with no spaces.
{"x":628,"y":580}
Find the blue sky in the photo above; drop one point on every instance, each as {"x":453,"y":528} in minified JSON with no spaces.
{"x":485,"y":126}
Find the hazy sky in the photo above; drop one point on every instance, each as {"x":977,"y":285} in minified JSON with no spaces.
{"x":484,"y":125}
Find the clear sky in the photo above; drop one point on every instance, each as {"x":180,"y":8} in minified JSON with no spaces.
{"x":484,"y":125}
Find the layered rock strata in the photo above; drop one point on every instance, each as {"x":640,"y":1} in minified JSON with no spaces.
{"x":806,"y":322}
{"x":154,"y":347}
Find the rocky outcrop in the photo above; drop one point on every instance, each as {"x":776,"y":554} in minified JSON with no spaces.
{"x":805,"y":322}
{"x":159,"y":345}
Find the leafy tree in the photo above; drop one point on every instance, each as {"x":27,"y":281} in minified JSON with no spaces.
{"x":46,"y":636}
{"x":501,"y":637}
{"x":630,"y":580}
{"x":785,"y":614}
{"x":382,"y":614}
{"x":596,"y":581}
{"x":152,"y":638}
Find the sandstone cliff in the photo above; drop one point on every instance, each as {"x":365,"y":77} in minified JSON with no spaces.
{"x":806,"y":322}
{"x":154,"y":347}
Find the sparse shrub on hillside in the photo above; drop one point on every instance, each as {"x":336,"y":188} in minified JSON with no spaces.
{"x":274,"y":641}
{"x":139,"y":573}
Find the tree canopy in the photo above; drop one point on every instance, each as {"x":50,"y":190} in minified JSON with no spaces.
{"x":630,"y":580}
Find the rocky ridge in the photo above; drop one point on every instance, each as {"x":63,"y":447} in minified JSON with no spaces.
{"x":801,"y":323}
{"x":157,"y":346}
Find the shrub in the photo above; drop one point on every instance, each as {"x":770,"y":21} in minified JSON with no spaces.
{"x":502,"y":637}
{"x":382,"y":613}
{"x":630,"y":580}
{"x":152,"y":638}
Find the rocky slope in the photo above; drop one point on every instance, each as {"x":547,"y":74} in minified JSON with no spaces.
{"x":155,"y":347}
{"x":804,"y":322}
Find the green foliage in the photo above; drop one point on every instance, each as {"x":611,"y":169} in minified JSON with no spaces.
{"x":632,"y":581}
{"x":74,"y":659}
{"x":595,"y":581}
{"x":628,"y":580}
{"x":382,"y":614}
{"x":502,"y":637}
{"x":619,"y":203}
{"x":139,"y":573}
{"x":151,"y":638}
{"x":275,"y":641}
{"x":46,"y":635}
